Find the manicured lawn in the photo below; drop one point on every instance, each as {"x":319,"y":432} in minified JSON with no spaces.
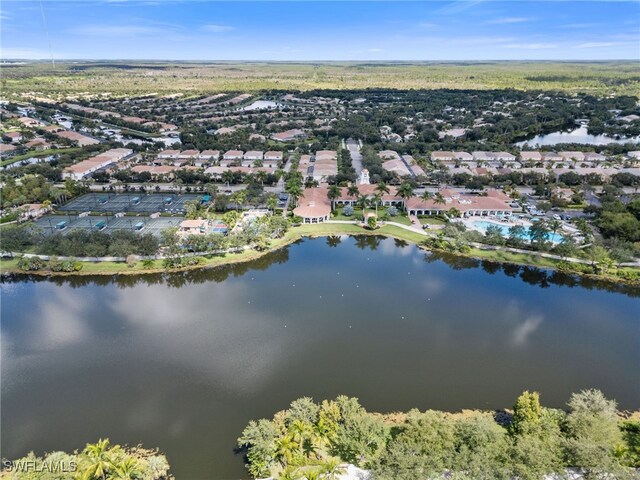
{"x":357,"y":213}
{"x":431,"y":220}
{"x":512,"y":257}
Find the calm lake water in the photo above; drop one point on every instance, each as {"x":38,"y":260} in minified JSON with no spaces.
{"x":579,"y":135}
{"x":184,"y":361}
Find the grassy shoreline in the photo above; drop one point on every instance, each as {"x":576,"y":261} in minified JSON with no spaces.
{"x":9,"y":266}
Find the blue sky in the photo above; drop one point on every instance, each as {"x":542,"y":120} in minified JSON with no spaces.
{"x":304,"y":30}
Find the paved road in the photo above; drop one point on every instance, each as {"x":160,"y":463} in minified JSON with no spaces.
{"x":356,"y":156}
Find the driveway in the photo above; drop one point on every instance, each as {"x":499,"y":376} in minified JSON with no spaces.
{"x":356,"y":156}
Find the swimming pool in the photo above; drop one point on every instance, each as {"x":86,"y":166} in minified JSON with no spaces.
{"x":482,"y":225}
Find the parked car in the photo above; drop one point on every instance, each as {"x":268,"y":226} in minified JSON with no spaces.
{"x":557,"y":217}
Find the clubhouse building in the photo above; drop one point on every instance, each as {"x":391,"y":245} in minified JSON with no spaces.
{"x":315,"y":207}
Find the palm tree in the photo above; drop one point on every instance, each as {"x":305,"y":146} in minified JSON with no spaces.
{"x":127,"y":469}
{"x":299,"y":432}
{"x":312,"y":474}
{"x":438,"y":198}
{"x":362,"y":203}
{"x":272,"y":203}
{"x":98,"y":459}
{"x":376,"y":199}
{"x":454,"y":213}
{"x":285,"y":447}
{"x":290,"y":473}
{"x":333,"y":193}
{"x":228,"y":177}
{"x":554,"y":226}
{"x":405,"y":191}
{"x":332,"y":467}
{"x":426,"y":195}
{"x":382,"y":188}
{"x":295,"y":192}
{"x":238,"y":197}
{"x":261,"y":176}
{"x":353,"y":191}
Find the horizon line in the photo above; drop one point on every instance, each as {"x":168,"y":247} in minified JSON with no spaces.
{"x":313,"y":61}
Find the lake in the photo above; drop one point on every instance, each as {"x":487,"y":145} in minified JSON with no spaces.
{"x":261,"y":105}
{"x":579,"y":135}
{"x":183,"y":361}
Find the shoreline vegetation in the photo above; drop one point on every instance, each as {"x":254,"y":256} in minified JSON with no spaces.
{"x":591,"y":439}
{"x":100,"y":460}
{"x":428,"y":243}
{"x":309,"y":440}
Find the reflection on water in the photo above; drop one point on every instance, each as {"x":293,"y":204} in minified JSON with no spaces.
{"x":579,"y":135}
{"x":183,"y":361}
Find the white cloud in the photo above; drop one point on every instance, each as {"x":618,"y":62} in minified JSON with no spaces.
{"x":524,"y":325}
{"x":507,"y":20}
{"x":602,"y":44}
{"x":476,"y":41}
{"x":532,"y":46}
{"x":428,"y":25}
{"x":580,"y":25}
{"x":459,"y":6}
{"x":217,"y":28}
{"x":523,"y":331}
{"x":375,"y":50}
{"x":117,"y":30}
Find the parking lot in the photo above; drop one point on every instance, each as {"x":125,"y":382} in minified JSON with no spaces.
{"x":106,"y":223}
{"x":129,"y":202}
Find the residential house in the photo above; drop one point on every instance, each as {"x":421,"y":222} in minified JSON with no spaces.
{"x":530,"y":157}
{"x":6,"y":150}
{"x":463,"y":156}
{"x":95,"y":163}
{"x":572,"y":156}
{"x":81,"y":140}
{"x":397,"y":166}
{"x":30,"y":122}
{"x":389,"y":155}
{"x":168,"y":154}
{"x":289,"y":135}
{"x":272,"y":158}
{"x":33,"y":210}
{"x":552,"y":157}
{"x":594,"y":157}
{"x":15,"y":137}
{"x":233,"y":155}
{"x":252,"y":156}
{"x":188,"y":154}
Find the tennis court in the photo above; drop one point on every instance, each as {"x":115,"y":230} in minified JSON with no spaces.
{"x":130,"y":202}
{"x":106,"y":223}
